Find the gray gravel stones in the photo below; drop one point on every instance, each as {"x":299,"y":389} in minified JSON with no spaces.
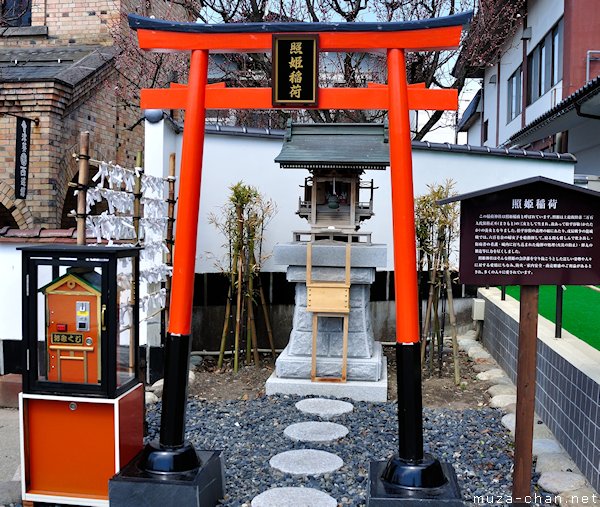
{"x":315,"y":431}
{"x":556,"y":482}
{"x":324,"y":408}
{"x":251,"y":432}
{"x":293,"y":497}
{"x":306,"y":462}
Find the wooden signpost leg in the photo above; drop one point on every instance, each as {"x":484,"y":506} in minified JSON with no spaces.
{"x":526,"y":370}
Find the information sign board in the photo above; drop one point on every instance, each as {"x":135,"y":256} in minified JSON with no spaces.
{"x":532,"y":232}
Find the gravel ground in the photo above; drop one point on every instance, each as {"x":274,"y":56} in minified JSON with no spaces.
{"x":251,"y":432}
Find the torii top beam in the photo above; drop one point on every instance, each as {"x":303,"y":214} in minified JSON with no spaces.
{"x":421,"y":35}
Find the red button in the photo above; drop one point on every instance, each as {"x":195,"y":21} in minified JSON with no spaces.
{"x":61,"y":327}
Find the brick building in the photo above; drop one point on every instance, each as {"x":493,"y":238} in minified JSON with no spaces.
{"x":57,"y":68}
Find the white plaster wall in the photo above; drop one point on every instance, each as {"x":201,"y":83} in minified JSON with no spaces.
{"x":474,"y":134}
{"x":583,"y":143}
{"x":10,"y":292}
{"x":541,"y":16}
{"x":489,"y":104}
{"x":228,"y":159}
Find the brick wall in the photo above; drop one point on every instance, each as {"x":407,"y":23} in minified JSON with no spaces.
{"x":64,"y":111}
{"x":567,"y":395}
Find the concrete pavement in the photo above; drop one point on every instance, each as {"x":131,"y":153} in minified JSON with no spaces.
{"x":10,"y":483}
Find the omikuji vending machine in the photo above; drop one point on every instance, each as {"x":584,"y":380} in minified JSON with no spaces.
{"x":82,"y":405}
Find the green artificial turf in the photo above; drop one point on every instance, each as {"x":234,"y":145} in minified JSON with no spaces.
{"x":581,"y":310}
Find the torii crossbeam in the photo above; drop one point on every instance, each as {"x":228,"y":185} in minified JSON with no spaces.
{"x":397,"y":97}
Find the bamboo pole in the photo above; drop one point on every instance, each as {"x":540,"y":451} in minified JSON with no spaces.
{"x":82,"y":181}
{"x":225,"y":324}
{"x":263,"y":303}
{"x":240,"y":267}
{"x":170,"y":224}
{"x":452,"y":323}
{"x":251,"y":322}
{"x":137,"y":211}
{"x":427,"y":319}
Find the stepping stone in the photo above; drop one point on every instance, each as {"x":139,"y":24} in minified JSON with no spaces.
{"x":509,"y":421}
{"x":583,"y":496}
{"x":315,"y":431}
{"x":481,"y":367}
{"x":498,"y":389}
{"x":306,"y":462}
{"x":478,"y":353}
{"x":546,"y":445}
{"x":324,"y":408}
{"x":557,"y":482}
{"x":293,"y":497}
{"x":510,"y":408}
{"x":502,"y":400}
{"x":492,"y":375}
{"x":467,"y":344}
{"x":542,"y":431}
{"x":151,"y":398}
{"x":554,"y":462}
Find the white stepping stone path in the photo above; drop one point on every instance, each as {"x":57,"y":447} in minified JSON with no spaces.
{"x":498,"y":389}
{"x":293,"y":497}
{"x":554,"y":462}
{"x":556,"y":482}
{"x":306,"y":462}
{"x":502,"y":400}
{"x":315,"y":431}
{"x":324,"y":408}
{"x":494,"y":375}
{"x":546,"y":445}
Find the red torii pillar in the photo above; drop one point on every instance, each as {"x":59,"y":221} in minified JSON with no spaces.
{"x":397,"y":97}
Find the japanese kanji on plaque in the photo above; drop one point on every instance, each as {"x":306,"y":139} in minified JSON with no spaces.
{"x":295,"y":70}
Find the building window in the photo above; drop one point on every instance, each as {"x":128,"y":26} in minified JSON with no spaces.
{"x":514,"y":94}
{"x":544,"y":64}
{"x":484,"y":132}
{"x":15,"y":13}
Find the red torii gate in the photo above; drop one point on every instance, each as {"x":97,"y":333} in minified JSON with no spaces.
{"x":397,"y":97}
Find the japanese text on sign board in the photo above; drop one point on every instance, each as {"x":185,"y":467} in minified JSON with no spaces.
{"x":294,"y":70}
{"x":532,"y":237}
{"x":22,"y":157}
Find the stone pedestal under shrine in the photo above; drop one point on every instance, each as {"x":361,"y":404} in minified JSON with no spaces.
{"x":365,"y":358}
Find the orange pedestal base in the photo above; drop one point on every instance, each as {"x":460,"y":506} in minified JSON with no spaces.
{"x":72,"y":446}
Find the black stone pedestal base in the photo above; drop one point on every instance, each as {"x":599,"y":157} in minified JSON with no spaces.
{"x":384,"y":494}
{"x":201,"y":488}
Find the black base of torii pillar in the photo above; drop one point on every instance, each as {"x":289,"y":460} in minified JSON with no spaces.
{"x":411,"y":477}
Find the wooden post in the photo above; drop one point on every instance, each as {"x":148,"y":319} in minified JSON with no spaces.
{"x":559,"y":311}
{"x":137,"y":212}
{"x":526,"y":371}
{"x":82,"y":180}
{"x":170,"y":223}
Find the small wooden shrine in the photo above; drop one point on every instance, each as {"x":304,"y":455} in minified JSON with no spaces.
{"x":335,"y":199}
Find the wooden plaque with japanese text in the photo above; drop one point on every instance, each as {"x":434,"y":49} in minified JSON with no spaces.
{"x":534,"y":234}
{"x":295,"y":70}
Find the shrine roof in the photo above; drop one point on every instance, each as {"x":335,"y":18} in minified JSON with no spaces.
{"x":335,"y":146}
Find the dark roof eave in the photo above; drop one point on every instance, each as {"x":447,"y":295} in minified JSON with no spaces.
{"x":139,"y":22}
